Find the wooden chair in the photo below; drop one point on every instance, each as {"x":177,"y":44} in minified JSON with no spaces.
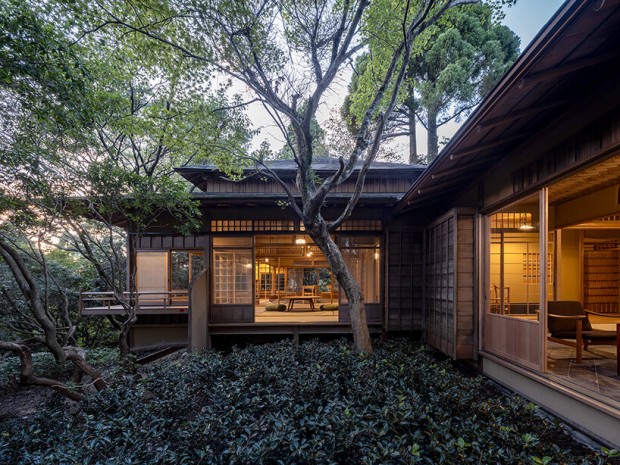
{"x":496,"y":300}
{"x":329,"y":293}
{"x":308,"y":290}
{"x":568,"y":324}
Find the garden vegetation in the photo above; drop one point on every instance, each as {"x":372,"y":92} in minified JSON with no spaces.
{"x":315,"y":404}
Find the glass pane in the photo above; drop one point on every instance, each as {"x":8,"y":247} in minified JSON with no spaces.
{"x":515,"y":261}
{"x":232,"y":275}
{"x":185,"y":267}
{"x":180,"y":263}
{"x":197,"y":263}
{"x":358,"y":241}
{"x":364,"y":264}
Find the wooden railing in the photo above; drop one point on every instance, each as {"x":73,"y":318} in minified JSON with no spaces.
{"x":107,"y":303}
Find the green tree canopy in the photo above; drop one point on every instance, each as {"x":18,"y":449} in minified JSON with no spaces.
{"x":453,"y":65}
{"x":92,"y":126}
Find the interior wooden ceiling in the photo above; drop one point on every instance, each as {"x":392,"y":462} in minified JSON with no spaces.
{"x":595,"y":178}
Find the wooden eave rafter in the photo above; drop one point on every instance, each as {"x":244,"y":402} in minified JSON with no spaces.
{"x":485,"y":147}
{"x":520,"y":114}
{"x":462,"y":168}
{"x":568,"y":67}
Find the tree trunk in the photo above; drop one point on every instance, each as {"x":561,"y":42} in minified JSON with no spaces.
{"x":123,"y":339}
{"x":433,"y":141}
{"x":130,"y":317}
{"x":346,"y":280}
{"x":27,"y":376}
{"x":78,"y":358}
{"x":413,"y":143}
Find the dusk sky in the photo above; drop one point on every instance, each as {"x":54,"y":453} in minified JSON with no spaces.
{"x":525,"y":18}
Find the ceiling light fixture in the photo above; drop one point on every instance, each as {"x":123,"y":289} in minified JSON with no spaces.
{"x":526,"y":224}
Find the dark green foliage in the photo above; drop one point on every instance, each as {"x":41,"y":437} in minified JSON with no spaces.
{"x":320,"y":403}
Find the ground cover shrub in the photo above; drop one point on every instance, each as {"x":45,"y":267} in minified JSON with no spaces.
{"x":316,"y":404}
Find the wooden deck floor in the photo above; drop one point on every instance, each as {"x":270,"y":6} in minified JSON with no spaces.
{"x":301,"y":313}
{"x":596,"y":375}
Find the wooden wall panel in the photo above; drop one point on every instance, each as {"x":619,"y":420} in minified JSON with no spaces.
{"x":439,"y":272}
{"x":515,"y":339}
{"x":373,"y":314}
{"x":588,"y":144}
{"x":449,"y":280}
{"x":404,"y":282}
{"x":231,"y":314}
{"x":465,"y":282}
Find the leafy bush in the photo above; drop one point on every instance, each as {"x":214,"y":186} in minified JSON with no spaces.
{"x":319,"y":403}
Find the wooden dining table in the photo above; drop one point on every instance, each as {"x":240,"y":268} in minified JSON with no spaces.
{"x":307,"y":298}
{"x":608,"y":318}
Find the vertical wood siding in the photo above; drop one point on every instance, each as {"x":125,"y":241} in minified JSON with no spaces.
{"x":439,"y":281}
{"x":465,"y":279}
{"x":404,"y":281}
{"x":449,"y":281}
{"x":588,"y":144}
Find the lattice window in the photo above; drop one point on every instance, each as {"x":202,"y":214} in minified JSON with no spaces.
{"x":251,"y":225}
{"x":232,"y":276}
{"x":231,"y":225}
{"x":361,"y":225}
{"x":274,"y":225}
{"x":531,"y":268}
{"x":511,"y":222}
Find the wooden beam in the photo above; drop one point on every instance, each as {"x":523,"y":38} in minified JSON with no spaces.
{"x":459,"y":169}
{"x":481,"y":148}
{"x":434,"y":188}
{"x":568,"y":67}
{"x":517,"y":115}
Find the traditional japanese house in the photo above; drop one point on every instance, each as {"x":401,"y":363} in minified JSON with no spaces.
{"x":513,"y":230}
{"x":262,"y":274}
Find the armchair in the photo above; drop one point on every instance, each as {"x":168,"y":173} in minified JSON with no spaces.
{"x":568,"y":324}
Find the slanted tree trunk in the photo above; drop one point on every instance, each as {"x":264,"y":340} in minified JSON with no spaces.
{"x":47,"y":325}
{"x":27,"y":376}
{"x":320,"y":235}
{"x":130,"y":309}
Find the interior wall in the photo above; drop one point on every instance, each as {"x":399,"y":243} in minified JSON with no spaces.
{"x":568,"y":285}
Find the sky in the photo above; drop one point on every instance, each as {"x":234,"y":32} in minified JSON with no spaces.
{"x":525,"y":18}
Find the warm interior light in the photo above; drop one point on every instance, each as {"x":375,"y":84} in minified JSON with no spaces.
{"x":300,"y":241}
{"x":376,"y":255}
{"x":248,"y":265}
{"x":266,"y":260}
{"x":525,"y":224}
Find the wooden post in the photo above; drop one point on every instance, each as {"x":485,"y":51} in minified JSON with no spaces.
{"x":296,"y":336}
